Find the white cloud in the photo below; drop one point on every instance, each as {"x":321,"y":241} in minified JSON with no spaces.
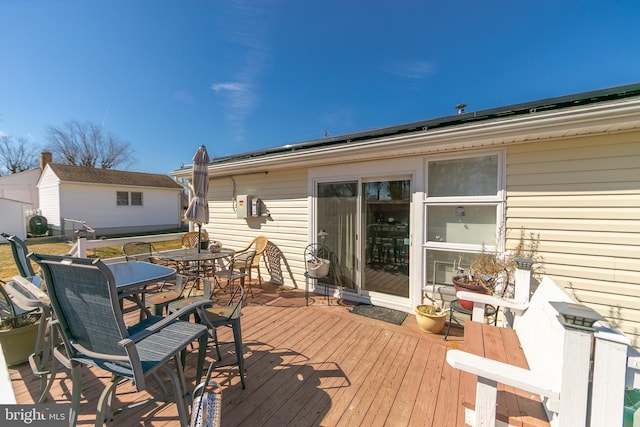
{"x":234,"y":87}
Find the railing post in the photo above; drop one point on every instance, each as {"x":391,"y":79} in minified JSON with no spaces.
{"x":578,"y":321}
{"x":521,"y":291}
{"x":81,"y":241}
{"x":609,"y":376}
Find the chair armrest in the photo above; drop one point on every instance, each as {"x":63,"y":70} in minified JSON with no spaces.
{"x":244,"y":249}
{"x":196,"y":306}
{"x":525,"y":379}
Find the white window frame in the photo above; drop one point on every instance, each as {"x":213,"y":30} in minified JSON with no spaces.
{"x":498,"y":200}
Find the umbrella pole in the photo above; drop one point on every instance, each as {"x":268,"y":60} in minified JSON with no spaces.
{"x":199,"y":237}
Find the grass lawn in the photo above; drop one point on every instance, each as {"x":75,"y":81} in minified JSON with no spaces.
{"x":8,"y":267}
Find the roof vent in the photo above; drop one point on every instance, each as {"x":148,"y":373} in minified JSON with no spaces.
{"x":460,"y":108}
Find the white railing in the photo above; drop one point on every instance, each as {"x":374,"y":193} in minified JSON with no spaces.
{"x":81,"y":246}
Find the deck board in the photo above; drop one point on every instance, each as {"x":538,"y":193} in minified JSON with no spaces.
{"x":313,"y":365}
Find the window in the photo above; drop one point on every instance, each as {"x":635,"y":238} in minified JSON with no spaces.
{"x":136,"y":198}
{"x":463,"y":210}
{"x":122,"y":198}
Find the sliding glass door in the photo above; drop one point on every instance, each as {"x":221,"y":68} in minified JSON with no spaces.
{"x":386,"y":236}
{"x":365,"y":226}
{"x":337,"y":228}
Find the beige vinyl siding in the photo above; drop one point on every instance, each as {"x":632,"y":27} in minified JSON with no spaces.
{"x":284,"y":194}
{"x":583,"y":197}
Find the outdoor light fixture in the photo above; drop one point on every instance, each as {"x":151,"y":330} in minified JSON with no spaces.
{"x":460,"y":211}
{"x":576,"y":316}
{"x":322,"y":236}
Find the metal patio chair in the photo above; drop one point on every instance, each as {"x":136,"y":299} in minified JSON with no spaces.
{"x":228,"y":315}
{"x":86,"y":303}
{"x":237,"y":269}
{"x":201,"y":289}
{"x":139,"y":251}
{"x":156,"y":302}
{"x":20,"y":251}
{"x":47,"y":342}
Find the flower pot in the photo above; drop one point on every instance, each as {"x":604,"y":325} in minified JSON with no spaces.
{"x":318,"y":268}
{"x":431,"y":323}
{"x":18,"y":344}
{"x":460,"y":285}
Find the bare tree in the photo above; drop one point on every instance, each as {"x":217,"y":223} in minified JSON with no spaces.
{"x":87,"y":144}
{"x":17,"y":155}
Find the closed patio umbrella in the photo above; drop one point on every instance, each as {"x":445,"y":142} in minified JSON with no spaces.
{"x":198,"y":210}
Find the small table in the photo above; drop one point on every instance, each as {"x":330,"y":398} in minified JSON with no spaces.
{"x":133,"y":277}
{"x":490,"y":312}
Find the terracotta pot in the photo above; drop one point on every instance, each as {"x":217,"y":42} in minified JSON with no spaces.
{"x":460,"y":285}
{"x":431,"y":323}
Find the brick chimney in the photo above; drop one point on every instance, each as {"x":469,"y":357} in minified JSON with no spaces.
{"x":45,"y":159}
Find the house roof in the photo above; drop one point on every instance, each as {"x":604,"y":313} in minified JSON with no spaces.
{"x":548,"y":104}
{"x":68,"y":173}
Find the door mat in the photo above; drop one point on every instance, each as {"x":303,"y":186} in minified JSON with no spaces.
{"x":380,"y":313}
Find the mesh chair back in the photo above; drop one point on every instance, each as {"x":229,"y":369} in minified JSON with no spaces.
{"x":138,"y":251}
{"x":85,"y":300}
{"x":20,"y":252}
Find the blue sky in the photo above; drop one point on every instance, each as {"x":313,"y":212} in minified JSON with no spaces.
{"x":239,"y":76}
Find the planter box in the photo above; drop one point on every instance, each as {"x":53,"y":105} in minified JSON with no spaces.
{"x":18,"y":344}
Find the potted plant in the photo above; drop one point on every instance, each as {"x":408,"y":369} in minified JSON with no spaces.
{"x":493,"y":273}
{"x":488,"y":273}
{"x":18,"y":330}
{"x":431,"y":318}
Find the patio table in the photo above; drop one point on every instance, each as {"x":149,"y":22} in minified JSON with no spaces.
{"x":184,"y":257}
{"x":133,"y":277}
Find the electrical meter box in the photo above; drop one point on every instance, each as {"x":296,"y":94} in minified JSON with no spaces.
{"x":247,"y":206}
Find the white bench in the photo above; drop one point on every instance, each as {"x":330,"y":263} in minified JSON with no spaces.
{"x":558,"y":359}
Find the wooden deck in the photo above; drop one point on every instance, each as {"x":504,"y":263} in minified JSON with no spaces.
{"x":306,"y":366}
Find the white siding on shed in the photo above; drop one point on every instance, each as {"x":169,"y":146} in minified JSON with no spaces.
{"x":13,"y":219}
{"x":21,"y":187}
{"x":96,"y":204}
{"x":49,"y":194}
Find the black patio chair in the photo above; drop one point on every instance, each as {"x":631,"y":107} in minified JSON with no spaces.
{"x":228,"y":315}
